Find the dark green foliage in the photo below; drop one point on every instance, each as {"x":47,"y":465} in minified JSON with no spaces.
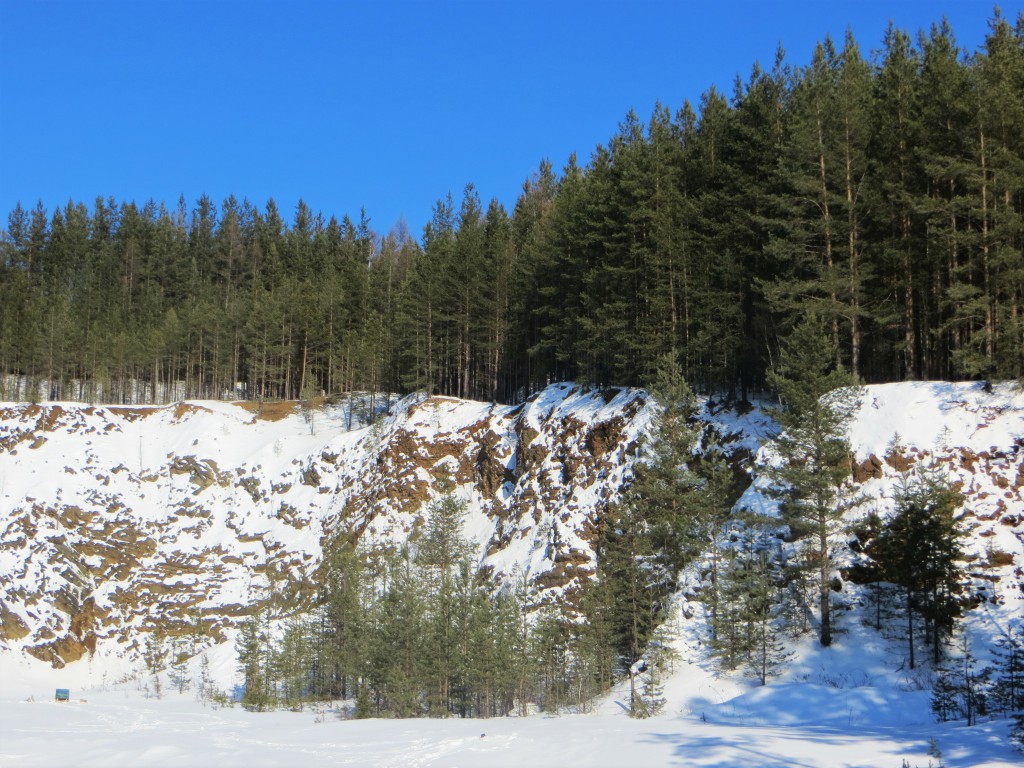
{"x":409,"y":635}
{"x":813,"y":469}
{"x":918,"y":549}
{"x":961,"y":687}
{"x":1017,"y":733}
{"x":672,"y":514}
{"x":886,"y":196}
{"x":1008,"y":671}
{"x":255,"y":653}
{"x":748,"y":625}
{"x":661,"y":527}
{"x":647,"y":692}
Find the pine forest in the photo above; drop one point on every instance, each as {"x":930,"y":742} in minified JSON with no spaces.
{"x":882,"y":191}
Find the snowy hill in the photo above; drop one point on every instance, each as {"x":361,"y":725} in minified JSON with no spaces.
{"x":120,"y":521}
{"x":976,"y":433}
{"x":115,"y":522}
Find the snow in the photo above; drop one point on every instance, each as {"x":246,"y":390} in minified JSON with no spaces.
{"x":938,"y":415}
{"x":806,"y":725}
{"x":853,"y":704}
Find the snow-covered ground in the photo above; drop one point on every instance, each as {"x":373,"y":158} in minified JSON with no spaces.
{"x":708,"y":722}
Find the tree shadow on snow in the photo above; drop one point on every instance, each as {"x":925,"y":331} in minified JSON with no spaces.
{"x":782,"y":747}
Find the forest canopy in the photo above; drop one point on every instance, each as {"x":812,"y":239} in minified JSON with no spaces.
{"x":882,"y":192}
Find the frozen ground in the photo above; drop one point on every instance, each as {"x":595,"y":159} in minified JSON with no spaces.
{"x":114,"y":728}
{"x":804,"y":721}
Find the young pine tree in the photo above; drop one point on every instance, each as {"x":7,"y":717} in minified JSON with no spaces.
{"x":254,"y":648}
{"x":750,"y":621}
{"x":961,"y":687}
{"x":671,"y":515}
{"x":813,"y":467}
{"x":1008,"y":689}
{"x":918,"y":549}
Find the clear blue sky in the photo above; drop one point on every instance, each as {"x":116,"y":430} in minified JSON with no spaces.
{"x":382,"y":105}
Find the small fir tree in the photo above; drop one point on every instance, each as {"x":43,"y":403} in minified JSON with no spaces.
{"x":1008,"y":687}
{"x":918,"y":549}
{"x":961,"y":687}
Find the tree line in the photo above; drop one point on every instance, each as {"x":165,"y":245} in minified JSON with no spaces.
{"x":885,"y":192}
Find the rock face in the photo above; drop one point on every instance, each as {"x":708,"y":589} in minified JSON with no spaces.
{"x":116,"y":522}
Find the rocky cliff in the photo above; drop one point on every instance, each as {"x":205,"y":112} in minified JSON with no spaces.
{"x":119,"y":521}
{"x":116,"y":522}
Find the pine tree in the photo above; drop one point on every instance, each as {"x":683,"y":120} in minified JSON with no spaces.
{"x":996,"y":267}
{"x":758,"y":613}
{"x":747,"y":628}
{"x":344,"y":593}
{"x":659,"y":530}
{"x":254,"y":649}
{"x":663,"y":502}
{"x":398,"y":628}
{"x":292,"y":662}
{"x":550,"y":655}
{"x":812,"y":471}
{"x":918,"y":549}
{"x":178,"y":672}
{"x":1008,"y":688}
{"x":652,"y":670}
{"x":894,"y":179}
{"x":961,"y":688}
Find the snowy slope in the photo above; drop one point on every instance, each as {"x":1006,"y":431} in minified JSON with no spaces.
{"x":182,"y":518}
{"x":119,"y":520}
{"x":974,"y":434}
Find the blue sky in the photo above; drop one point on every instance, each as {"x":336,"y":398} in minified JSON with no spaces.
{"x":382,"y":105}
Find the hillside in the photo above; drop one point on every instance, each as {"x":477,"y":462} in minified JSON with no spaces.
{"x":117,"y":522}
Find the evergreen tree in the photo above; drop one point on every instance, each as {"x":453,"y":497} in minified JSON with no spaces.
{"x":918,"y":549}
{"x":747,"y":628}
{"x":961,"y":688}
{"x":254,"y":649}
{"x":659,"y":529}
{"x":292,"y":662}
{"x":344,"y":593}
{"x":895,"y":177}
{"x":1008,"y":687}
{"x":398,"y":629}
{"x":812,"y":469}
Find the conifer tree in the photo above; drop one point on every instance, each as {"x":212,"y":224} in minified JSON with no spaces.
{"x":398,"y":630}
{"x":918,"y":549}
{"x":344,"y":592}
{"x":812,"y":469}
{"x":442,"y":554}
{"x":747,"y":629}
{"x":961,"y":687}
{"x":660,"y":527}
{"x":254,"y":649}
{"x":1008,"y":670}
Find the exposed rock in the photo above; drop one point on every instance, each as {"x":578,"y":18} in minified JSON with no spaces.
{"x":898,"y":461}
{"x":11,"y":625}
{"x":867,"y":469}
{"x":168,"y":540}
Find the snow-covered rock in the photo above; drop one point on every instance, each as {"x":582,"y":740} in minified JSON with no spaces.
{"x":115,"y":522}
